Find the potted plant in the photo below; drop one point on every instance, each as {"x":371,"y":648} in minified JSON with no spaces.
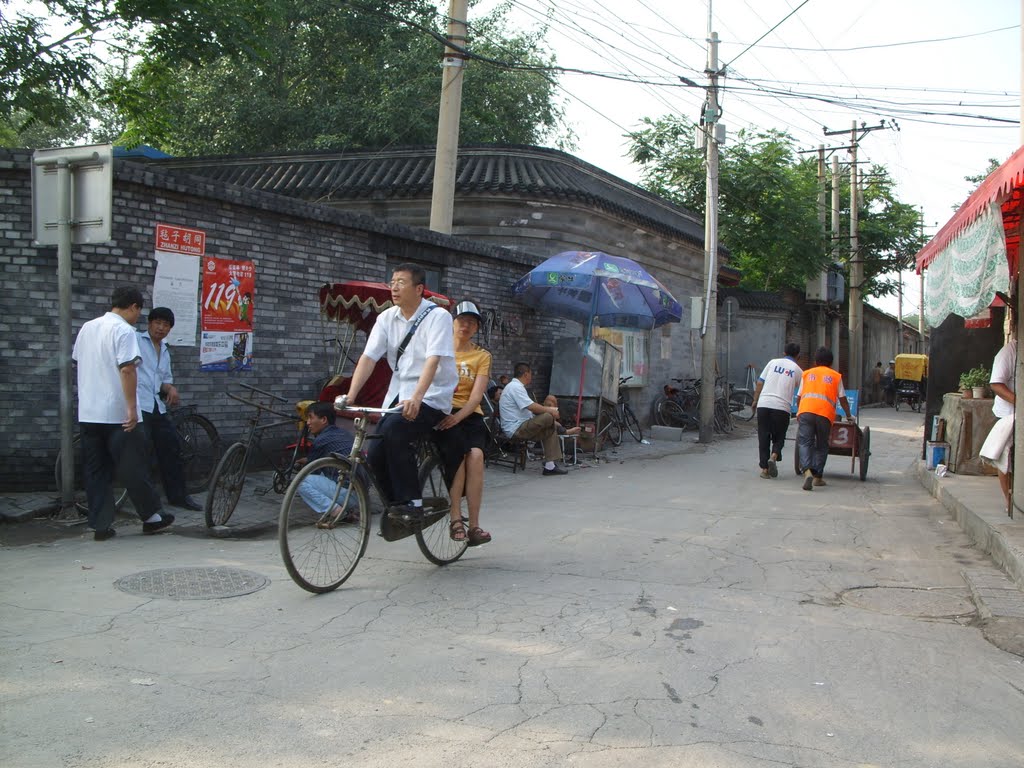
{"x":974,"y":382}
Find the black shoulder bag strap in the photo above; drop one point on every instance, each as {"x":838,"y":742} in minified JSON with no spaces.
{"x":408,"y":336}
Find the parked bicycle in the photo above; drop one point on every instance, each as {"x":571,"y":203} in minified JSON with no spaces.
{"x":200,"y":449}
{"x":680,"y":406}
{"x":741,"y":399}
{"x":229,"y":477}
{"x":320,"y":551}
{"x":619,"y":417}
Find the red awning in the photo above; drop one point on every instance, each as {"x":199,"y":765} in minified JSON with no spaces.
{"x":1005,"y":187}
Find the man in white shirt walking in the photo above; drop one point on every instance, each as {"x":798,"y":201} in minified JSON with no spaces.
{"x":773,"y":401}
{"x":416,"y":336}
{"x":107,"y":353}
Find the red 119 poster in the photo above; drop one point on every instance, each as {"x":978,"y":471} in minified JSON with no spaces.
{"x":228,"y":308}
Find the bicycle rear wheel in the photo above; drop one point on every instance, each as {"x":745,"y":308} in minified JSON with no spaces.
{"x":741,"y":404}
{"x":226,"y":485}
{"x":433,"y":535}
{"x":632,"y":423}
{"x":81,"y":502}
{"x":611,"y":427}
{"x":320,"y":551}
{"x":722,"y":417}
{"x":671,"y":414}
{"x":200,"y":449}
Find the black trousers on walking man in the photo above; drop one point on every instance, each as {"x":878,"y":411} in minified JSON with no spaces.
{"x":772,"y":425}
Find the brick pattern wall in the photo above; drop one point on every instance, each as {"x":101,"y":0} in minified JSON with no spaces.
{"x":295,"y":246}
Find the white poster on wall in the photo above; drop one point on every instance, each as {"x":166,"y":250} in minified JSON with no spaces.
{"x":177,"y":286}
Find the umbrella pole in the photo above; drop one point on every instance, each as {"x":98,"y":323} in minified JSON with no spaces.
{"x":579,"y":397}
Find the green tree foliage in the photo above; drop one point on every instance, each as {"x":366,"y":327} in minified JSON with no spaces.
{"x":764,"y":217}
{"x":768,"y":205}
{"x":237,"y":76}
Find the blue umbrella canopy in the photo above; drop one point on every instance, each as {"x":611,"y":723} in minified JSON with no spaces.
{"x":594,"y":288}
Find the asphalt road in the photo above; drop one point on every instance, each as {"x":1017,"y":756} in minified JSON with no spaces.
{"x":675,"y":611}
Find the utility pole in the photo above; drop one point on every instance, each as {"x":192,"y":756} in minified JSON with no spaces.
{"x":442,"y":204}
{"x":899,"y":313}
{"x":819,"y":312}
{"x":835,"y":245}
{"x":708,"y":335}
{"x":856,"y":331}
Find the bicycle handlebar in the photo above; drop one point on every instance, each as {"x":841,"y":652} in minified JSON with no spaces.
{"x":341,"y":404}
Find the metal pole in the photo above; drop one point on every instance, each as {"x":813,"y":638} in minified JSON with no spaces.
{"x":708,"y":338}
{"x":856,"y":276}
{"x":64,"y":224}
{"x":442,"y":204}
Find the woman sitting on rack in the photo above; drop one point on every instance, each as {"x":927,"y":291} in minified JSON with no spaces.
{"x":462,"y":435}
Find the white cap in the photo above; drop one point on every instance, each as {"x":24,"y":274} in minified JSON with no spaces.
{"x":468,"y":308}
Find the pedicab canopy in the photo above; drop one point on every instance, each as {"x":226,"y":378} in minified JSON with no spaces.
{"x":975,"y":253}
{"x":354,"y":306}
{"x":911,"y":367}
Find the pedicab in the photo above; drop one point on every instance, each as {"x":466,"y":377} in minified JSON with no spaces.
{"x":910,"y":375}
{"x":846,"y":438}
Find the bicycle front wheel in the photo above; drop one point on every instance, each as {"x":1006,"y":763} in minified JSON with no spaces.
{"x":200,"y":448}
{"x":433,"y":535}
{"x":632,"y":423}
{"x":81,"y":502}
{"x":321,"y":550}
{"x":741,"y":404}
{"x":722,"y":417}
{"x":226,"y":485}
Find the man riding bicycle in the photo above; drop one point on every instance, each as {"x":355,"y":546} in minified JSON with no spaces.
{"x":417,"y":339}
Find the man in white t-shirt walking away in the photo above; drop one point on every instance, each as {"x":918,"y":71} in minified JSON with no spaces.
{"x":416,"y":336}
{"x":773,"y":401}
{"x":109,"y":412}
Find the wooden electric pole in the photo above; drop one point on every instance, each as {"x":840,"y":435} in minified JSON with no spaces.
{"x":442,"y":204}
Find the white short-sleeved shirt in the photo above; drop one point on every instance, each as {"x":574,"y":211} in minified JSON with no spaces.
{"x":781,"y":377}
{"x":101,"y":348}
{"x":513,"y":407}
{"x":1004,"y":368}
{"x":154,"y":371}
{"x":433,"y":337}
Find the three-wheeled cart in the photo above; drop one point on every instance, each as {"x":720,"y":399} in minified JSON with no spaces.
{"x":847,"y":439}
{"x":910,"y":374}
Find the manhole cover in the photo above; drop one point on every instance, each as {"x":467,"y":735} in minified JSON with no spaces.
{"x":911,"y":601}
{"x":192,"y":583}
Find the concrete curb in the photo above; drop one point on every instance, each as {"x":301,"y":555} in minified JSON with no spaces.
{"x":976,"y":503}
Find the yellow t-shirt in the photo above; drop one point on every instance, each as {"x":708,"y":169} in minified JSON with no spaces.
{"x":469,"y":365}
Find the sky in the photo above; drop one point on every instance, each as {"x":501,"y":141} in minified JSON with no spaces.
{"x":891,"y":60}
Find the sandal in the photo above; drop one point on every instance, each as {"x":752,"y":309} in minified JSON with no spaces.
{"x":457,"y":530}
{"x":478,"y":536}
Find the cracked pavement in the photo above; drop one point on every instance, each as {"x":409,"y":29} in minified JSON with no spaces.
{"x":675,"y":611}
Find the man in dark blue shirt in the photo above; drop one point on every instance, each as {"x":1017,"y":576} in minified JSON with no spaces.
{"x":320,"y":489}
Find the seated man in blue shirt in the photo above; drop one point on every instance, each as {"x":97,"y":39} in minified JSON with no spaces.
{"x":156,"y":391}
{"x":319,"y":490}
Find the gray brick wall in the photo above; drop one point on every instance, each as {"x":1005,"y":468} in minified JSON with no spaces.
{"x":296,"y":247}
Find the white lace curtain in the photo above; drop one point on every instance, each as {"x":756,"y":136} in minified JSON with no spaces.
{"x":964,"y":277}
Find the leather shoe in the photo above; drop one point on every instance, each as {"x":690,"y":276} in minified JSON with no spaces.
{"x":556,"y":470}
{"x":188,"y":503}
{"x":104,"y":535}
{"x":165,"y":520}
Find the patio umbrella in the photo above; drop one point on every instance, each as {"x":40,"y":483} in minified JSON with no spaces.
{"x":594,"y":288}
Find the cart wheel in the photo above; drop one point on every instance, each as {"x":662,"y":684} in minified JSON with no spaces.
{"x":865,"y":452}
{"x":897,"y":403}
{"x":796,"y":457}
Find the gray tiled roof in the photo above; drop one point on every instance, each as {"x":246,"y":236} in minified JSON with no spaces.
{"x":532,"y":172}
{"x":755,"y":300}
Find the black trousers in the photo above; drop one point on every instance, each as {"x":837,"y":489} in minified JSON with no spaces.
{"x":108,"y":452}
{"x":167,"y":447}
{"x":812,"y":442}
{"x":393,"y":456}
{"x":772,"y":425}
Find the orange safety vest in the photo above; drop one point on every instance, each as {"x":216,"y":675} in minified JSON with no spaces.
{"x":820,"y":392}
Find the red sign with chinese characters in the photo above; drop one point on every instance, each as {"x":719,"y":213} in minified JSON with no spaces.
{"x":180,"y":240}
